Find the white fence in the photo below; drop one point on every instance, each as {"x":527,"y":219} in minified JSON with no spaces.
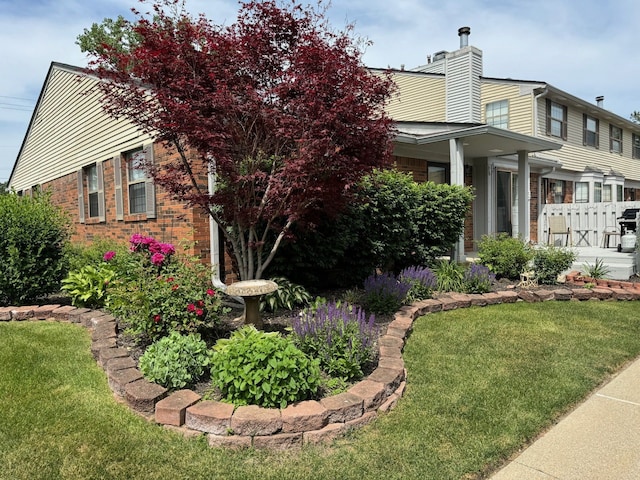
{"x":588,"y":221}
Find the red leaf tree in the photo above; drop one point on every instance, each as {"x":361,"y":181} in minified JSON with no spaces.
{"x":277,"y":110}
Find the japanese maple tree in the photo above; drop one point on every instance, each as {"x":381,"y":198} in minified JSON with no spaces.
{"x":274,"y":117}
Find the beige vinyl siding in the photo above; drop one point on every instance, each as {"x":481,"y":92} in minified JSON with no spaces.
{"x":463,"y":86}
{"x":69,"y":131}
{"x":520,"y":105}
{"x":575,"y":156}
{"x":419,"y":98}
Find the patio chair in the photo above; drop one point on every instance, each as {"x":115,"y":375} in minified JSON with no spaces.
{"x":558,"y":226}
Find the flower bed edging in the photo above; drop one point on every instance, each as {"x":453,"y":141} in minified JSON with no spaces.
{"x":307,"y":422}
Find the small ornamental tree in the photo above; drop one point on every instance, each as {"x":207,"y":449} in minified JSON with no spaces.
{"x":277,"y":107}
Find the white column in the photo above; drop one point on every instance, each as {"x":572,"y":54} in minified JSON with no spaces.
{"x":524,"y":193}
{"x":456,"y":159}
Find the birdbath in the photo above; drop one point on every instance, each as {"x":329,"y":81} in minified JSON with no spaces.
{"x":251,"y":291}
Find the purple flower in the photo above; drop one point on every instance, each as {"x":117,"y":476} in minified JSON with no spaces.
{"x":108,"y":255}
{"x":157,"y":259}
{"x":167,"y":249}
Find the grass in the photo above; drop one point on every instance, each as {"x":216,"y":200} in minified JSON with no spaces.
{"x":482,"y":382}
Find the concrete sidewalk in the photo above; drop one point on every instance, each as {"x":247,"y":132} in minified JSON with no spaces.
{"x":599,"y":440}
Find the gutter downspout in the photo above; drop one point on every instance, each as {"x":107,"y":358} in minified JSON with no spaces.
{"x":535,"y":134}
{"x":214,"y":234}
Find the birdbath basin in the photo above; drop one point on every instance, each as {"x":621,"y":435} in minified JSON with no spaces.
{"x":251,"y":291}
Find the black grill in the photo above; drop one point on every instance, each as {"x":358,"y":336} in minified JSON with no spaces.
{"x":628,"y":220}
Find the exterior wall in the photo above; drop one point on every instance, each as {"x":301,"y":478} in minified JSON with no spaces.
{"x":68,"y":130}
{"x":576,"y":156}
{"x":463,"y":72}
{"x":173,"y":223}
{"x":520,"y":104}
{"x":420,"y":98}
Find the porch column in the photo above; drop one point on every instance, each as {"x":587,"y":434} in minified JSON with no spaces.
{"x":524,"y":210}
{"x":456,"y":160}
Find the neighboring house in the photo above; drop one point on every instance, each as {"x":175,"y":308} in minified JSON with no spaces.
{"x":555,"y":148}
{"x":89,"y":162}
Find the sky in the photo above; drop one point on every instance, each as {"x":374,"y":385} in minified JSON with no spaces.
{"x":584,"y":47}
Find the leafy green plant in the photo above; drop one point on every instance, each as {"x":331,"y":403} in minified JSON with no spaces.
{"x":384,"y":293}
{"x":340,"y":336}
{"x":88,"y":286}
{"x":265,"y":369}
{"x":450,"y":276}
{"x":175,"y":361}
{"x":596,"y":271}
{"x":33,"y":236}
{"x":505,"y":255}
{"x":549,"y":262}
{"x":287,"y":296}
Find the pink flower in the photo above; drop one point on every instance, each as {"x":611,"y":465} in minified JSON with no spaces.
{"x":170,"y":279}
{"x":157,"y":259}
{"x":157,"y":318}
{"x":200,"y":303}
{"x":167,"y":248}
{"x":175,"y":287}
{"x":199,"y":312}
{"x":191,"y":307}
{"x":108,"y":255}
{"x":211,"y":292}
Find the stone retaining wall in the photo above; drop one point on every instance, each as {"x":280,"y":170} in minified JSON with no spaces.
{"x":307,"y":422}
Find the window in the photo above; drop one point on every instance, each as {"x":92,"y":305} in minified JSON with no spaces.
{"x":92,"y":188}
{"x":606,"y":193}
{"x":557,"y":191}
{"x":636,"y":146}
{"x":619,"y":193}
{"x":91,"y":178}
{"x":136,"y":180}
{"x":497,"y":114}
{"x":582,"y":192}
{"x":597,"y":191}
{"x":590,"y":131}
{"x":438,"y":173}
{"x":615,"y":139}
{"x":556,"y":120}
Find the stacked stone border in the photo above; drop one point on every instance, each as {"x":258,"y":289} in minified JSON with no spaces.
{"x":307,"y":422}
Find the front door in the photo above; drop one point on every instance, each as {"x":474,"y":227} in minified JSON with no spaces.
{"x":507,"y":202}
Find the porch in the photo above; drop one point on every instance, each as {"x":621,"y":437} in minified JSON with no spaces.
{"x":621,"y":265}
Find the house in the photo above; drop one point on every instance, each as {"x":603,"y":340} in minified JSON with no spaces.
{"x":90,"y":164}
{"x":556,"y":153}
{"x":525,"y":146}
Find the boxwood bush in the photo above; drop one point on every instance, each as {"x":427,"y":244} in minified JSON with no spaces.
{"x":32,"y":248}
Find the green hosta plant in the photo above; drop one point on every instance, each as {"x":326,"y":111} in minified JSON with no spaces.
{"x":287,"y":296}
{"x":265,"y":369}
{"x":175,"y":361}
{"x":88,"y":286}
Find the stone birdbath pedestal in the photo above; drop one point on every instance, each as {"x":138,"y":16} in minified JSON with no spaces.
{"x":251,"y":291}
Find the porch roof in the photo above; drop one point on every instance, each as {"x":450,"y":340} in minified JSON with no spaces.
{"x":431,"y":140}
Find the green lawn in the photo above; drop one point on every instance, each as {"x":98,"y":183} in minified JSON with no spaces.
{"x":482,"y":382}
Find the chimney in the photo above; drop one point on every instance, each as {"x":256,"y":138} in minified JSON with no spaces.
{"x":463,"y":33}
{"x":600,"y":101}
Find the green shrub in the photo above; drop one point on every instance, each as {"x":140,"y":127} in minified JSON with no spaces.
{"x":340,"y":336}
{"x":287,"y":296}
{"x":549,"y":262}
{"x":154,"y":299}
{"x":175,"y":361}
{"x":81,"y":255}
{"x":393,"y":222}
{"x":449,"y":276}
{"x":32,"y":246}
{"x":265,"y":369}
{"x":505,"y":255}
{"x":88,"y":286}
